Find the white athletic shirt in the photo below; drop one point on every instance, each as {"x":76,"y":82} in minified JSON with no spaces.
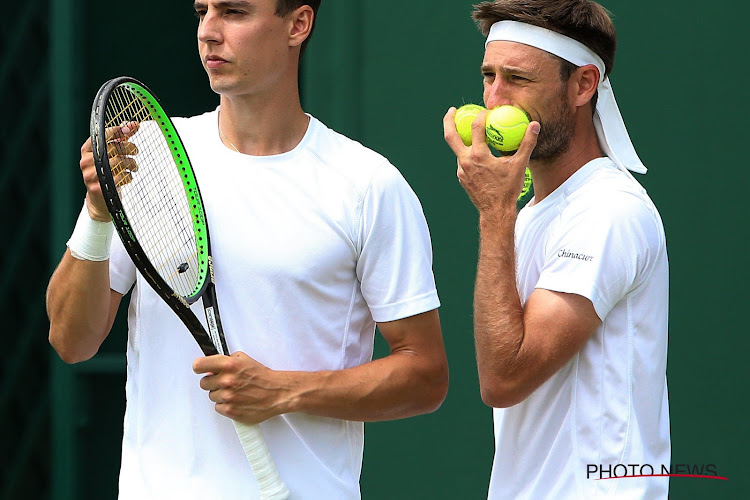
{"x":600,"y":236}
{"x":311,"y":248}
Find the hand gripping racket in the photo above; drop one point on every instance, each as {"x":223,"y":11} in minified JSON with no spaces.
{"x":153,"y":198}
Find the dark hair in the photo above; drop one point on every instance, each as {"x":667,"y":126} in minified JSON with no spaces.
{"x":284,"y":7}
{"x":582,"y":20}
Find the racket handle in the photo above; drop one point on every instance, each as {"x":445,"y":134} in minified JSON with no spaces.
{"x":256,"y":450}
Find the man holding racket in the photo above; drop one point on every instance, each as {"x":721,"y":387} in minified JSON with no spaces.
{"x":315,"y":241}
{"x":571,"y":293}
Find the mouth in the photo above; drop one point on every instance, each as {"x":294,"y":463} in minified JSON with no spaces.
{"x":213,"y":62}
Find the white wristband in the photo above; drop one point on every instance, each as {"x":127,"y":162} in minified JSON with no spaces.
{"x":91,"y":239}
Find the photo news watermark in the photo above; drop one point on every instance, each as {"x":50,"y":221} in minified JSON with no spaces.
{"x":624,"y":471}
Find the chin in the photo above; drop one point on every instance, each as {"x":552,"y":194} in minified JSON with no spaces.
{"x":218,"y":85}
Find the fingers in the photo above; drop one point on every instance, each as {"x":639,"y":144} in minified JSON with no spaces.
{"x":451,"y":134}
{"x":122,"y":132}
{"x":121,"y":148}
{"x":119,"y":151}
{"x":210,"y":364}
{"x":122,"y":169}
{"x":478,"y":133}
{"x":528,"y":143}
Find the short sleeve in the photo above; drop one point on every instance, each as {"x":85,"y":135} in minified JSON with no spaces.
{"x":122,"y":271}
{"x":602,"y":253}
{"x":395,"y":260}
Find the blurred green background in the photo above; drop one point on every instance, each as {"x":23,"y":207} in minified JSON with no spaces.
{"x":383,"y":73}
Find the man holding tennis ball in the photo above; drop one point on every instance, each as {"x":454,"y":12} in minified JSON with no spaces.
{"x":315,"y":240}
{"x":570,"y":304}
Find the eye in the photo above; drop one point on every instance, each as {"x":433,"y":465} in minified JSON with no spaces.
{"x":518,"y":78}
{"x":200,"y":13}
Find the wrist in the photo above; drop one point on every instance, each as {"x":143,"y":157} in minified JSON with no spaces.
{"x":91,"y":239}
{"x":95,"y":212}
{"x":302,"y":386}
{"x":497,"y":217}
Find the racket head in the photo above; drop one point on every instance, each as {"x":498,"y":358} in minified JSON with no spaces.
{"x":153,"y":196}
{"x":125,"y":100}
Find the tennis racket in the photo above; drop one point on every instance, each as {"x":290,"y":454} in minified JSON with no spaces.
{"x":152,"y":195}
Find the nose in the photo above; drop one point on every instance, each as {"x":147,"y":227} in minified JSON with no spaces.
{"x":209,"y":28}
{"x":497,"y":94}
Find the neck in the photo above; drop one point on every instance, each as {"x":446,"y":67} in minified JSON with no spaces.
{"x":549,"y":175}
{"x":263,"y":124}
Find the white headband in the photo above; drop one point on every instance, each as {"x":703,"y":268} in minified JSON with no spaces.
{"x":610,"y":128}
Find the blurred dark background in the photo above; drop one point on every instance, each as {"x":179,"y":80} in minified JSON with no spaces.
{"x":383,"y":73}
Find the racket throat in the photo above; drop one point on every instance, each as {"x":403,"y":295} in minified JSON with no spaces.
{"x":213,"y":329}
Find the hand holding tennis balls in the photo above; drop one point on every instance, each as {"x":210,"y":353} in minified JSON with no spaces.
{"x":504,"y":127}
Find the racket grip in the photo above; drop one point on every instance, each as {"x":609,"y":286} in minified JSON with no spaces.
{"x":256,"y":450}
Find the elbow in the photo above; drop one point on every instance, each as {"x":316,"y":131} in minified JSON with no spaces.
{"x":68,"y":352}
{"x":435,"y":389}
{"x":501,"y":394}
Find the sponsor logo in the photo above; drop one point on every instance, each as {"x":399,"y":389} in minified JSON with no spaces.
{"x":213,"y":329}
{"x":567,"y":254}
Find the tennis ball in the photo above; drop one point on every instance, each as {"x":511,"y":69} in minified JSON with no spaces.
{"x":505,"y":127}
{"x":527,"y":181}
{"x":465,"y":116}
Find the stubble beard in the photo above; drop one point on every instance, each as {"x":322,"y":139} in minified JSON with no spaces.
{"x":556,"y":131}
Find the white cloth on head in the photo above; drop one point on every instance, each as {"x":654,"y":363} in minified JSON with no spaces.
{"x":610,"y":127}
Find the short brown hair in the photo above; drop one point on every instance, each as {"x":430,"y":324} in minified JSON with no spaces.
{"x":284,"y":7}
{"x":582,"y":20}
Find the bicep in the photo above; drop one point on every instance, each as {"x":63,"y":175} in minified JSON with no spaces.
{"x":420,"y":334}
{"x":556,"y":325}
{"x":417,"y":361}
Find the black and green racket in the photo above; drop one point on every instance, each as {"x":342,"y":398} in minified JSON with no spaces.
{"x":152,"y":195}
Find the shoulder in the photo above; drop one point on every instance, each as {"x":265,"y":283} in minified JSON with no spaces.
{"x":347,"y":157}
{"x":195,"y":126}
{"x":610,"y":196}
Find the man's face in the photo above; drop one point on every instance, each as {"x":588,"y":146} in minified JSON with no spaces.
{"x":243,"y":44}
{"x":529,"y":78}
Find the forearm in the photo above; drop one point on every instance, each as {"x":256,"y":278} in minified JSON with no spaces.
{"x":78,"y":306}
{"x":498,"y":312}
{"x":398,"y":386}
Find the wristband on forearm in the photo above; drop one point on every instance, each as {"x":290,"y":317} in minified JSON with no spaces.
{"x":91,"y":239}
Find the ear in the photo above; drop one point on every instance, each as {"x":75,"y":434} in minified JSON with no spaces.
{"x":301,"y":22}
{"x":585,"y":81}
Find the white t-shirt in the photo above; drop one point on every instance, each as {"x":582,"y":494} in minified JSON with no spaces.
{"x":311,"y":248}
{"x":600,"y":236}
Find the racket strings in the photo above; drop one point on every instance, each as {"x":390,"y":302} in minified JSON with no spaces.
{"x":153,"y":195}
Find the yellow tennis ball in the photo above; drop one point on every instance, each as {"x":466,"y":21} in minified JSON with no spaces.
{"x":505,"y":127}
{"x":526,"y":183}
{"x":464,"y":117}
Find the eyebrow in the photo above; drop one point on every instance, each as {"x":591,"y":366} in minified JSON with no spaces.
{"x":223,"y":4}
{"x":505,"y":69}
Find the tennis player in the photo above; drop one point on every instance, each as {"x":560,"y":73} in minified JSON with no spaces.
{"x":316,"y":241}
{"x":571,"y":293}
